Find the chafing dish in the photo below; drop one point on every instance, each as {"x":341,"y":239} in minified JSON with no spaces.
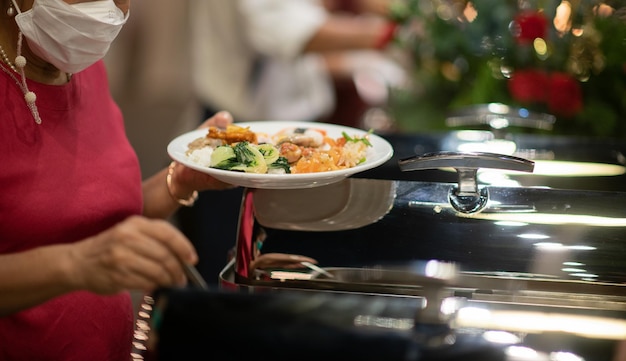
{"x":535,"y":262}
{"x":404,"y":269}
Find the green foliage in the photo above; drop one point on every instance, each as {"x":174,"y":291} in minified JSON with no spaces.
{"x":461,"y":61}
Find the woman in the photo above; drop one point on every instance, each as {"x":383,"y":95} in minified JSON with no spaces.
{"x":77,"y":226}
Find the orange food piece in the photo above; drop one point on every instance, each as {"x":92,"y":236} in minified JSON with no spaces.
{"x":314,"y":160}
{"x":232,"y":134}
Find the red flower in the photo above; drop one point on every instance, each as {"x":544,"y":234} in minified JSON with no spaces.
{"x":530,"y":25}
{"x":527,"y":86}
{"x":559,"y":91}
{"x":565,"y":96}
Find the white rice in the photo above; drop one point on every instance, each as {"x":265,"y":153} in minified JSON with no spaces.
{"x":201,"y":156}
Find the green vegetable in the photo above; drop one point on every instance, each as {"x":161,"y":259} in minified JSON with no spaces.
{"x":357,"y":139}
{"x":250,"y":158}
{"x":280,"y":163}
{"x":223,"y":157}
{"x":270,"y":153}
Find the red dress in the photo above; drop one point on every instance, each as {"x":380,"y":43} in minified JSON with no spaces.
{"x":63,"y":180}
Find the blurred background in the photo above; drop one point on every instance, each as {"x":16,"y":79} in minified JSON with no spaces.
{"x":149,"y":75}
{"x":447,"y":55}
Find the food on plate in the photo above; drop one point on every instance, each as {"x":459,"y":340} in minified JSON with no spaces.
{"x":291,"y":150}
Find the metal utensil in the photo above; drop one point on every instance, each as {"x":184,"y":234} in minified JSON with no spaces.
{"x":194,"y":276}
{"x":317,"y":269}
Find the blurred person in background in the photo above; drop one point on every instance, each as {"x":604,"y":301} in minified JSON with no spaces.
{"x":79,"y":228}
{"x":280,"y":60}
{"x":277,"y":59}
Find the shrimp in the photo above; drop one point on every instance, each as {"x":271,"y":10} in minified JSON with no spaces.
{"x":290,"y":151}
{"x":303,"y":137}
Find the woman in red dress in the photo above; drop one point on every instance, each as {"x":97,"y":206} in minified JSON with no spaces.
{"x":78,"y":226}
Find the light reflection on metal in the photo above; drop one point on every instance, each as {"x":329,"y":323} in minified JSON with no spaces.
{"x":550,"y":167}
{"x":573,"y":264}
{"x":484,"y":113}
{"x":525,"y":354}
{"x":501,"y":146}
{"x":594,"y":327}
{"x":383,"y":322}
{"x":499,"y":123}
{"x":501,"y":337}
{"x":498,"y":108}
{"x":573,"y":270}
{"x":565,"y":356}
{"x":546,"y":166}
{"x":289,"y":275}
{"x":582,"y":248}
{"x":440,"y":270}
{"x":584,"y":275}
{"x":554,"y":246}
{"x":575,"y":169}
{"x":552,"y":219}
{"x":510,"y":224}
{"x":533,"y":236}
{"x":450,"y":305}
{"x":549,"y":246}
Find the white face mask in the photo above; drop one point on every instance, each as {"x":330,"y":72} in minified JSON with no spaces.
{"x":70,"y":37}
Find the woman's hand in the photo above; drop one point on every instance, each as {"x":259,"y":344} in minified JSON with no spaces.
{"x":220,"y":120}
{"x":163,"y":191}
{"x":186,"y":180}
{"x":138,"y":253}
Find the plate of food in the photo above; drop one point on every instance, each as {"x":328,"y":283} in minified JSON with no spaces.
{"x":280,"y":154}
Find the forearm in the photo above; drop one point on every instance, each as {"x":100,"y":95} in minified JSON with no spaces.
{"x":347,"y":33}
{"x":377,"y":7}
{"x":162,"y":195}
{"x":32,"y":277}
{"x":158,"y":202}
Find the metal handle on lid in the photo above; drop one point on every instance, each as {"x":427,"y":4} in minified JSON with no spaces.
{"x":467,"y":197}
{"x":500,"y":116}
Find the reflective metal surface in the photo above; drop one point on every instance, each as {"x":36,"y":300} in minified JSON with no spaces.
{"x":499,"y":117}
{"x":543,"y":266}
{"x":548,"y":233}
{"x":560,"y":162}
{"x":467,"y":197}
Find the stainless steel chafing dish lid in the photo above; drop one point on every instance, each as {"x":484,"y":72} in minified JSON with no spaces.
{"x":581,"y":163}
{"x":512,"y":231}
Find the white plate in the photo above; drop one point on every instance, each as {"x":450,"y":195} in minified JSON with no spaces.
{"x":348,"y":204}
{"x":379,"y":153}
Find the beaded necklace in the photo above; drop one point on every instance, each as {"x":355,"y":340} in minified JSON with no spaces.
{"x":18,"y":67}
